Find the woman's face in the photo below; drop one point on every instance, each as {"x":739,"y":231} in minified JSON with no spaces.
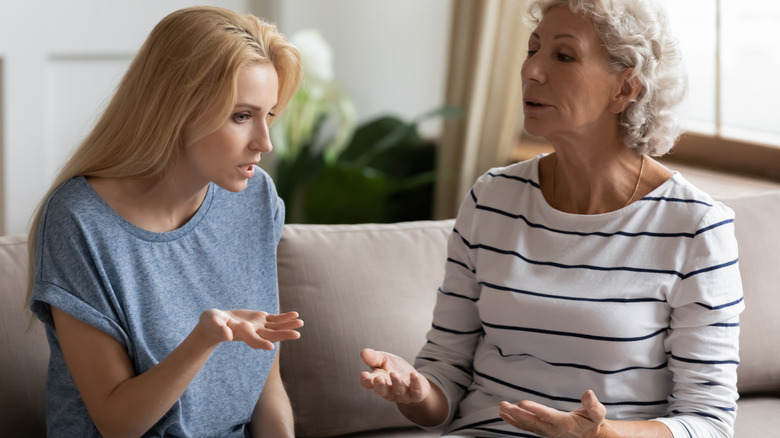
{"x":228,"y":155}
{"x":568,"y":90}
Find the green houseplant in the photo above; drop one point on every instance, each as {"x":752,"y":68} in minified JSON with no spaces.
{"x":331,"y":171}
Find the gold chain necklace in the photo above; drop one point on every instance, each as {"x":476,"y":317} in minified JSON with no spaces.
{"x":636,"y":186}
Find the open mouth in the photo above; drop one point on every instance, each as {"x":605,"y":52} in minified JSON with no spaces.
{"x":248,"y":170}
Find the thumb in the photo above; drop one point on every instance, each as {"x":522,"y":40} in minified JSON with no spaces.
{"x":594,"y":408}
{"x":372,"y":358}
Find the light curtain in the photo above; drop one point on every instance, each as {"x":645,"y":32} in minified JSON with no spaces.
{"x":488,"y":38}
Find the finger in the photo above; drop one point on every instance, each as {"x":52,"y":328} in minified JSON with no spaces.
{"x":543,"y":412}
{"x":244,"y":331}
{"x":506,"y":416}
{"x":546,"y":421}
{"x":284,"y":318}
{"x":370,"y":378}
{"x":595,"y":410}
{"x":283,"y":325}
{"x":418,"y":386}
{"x":366,"y":380}
{"x":515,"y":411}
{"x":381,"y":386}
{"x":277,"y":335}
{"x":372,"y":358}
{"x":256,"y":342}
{"x":397,"y":386}
{"x":515,"y":415}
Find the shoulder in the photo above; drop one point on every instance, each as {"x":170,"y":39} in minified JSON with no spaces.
{"x":507,"y":182}
{"x":71,"y":204}
{"x":523,"y":173}
{"x":682,"y":198}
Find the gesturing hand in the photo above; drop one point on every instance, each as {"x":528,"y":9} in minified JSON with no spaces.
{"x":257,"y":329}
{"x":393,"y":378}
{"x":588,"y":421}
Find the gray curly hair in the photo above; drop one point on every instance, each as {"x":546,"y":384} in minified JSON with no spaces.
{"x":636,"y":34}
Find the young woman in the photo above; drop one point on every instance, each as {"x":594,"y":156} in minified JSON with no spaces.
{"x":156,"y":244}
{"x":590,"y":292}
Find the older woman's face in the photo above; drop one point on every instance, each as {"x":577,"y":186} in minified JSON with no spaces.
{"x":568,"y":90}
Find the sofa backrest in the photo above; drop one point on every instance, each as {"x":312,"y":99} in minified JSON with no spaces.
{"x":355,"y":286}
{"x":758,"y":237}
{"x":24,"y":352}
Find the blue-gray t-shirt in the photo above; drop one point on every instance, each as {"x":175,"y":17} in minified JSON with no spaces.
{"x":147,"y":290}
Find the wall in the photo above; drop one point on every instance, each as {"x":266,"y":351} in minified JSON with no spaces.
{"x":389,"y":55}
{"x":61,"y":61}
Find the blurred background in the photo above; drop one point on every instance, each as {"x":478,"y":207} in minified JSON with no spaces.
{"x":412,"y":100}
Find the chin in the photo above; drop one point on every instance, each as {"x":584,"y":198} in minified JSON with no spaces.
{"x":534,"y":130}
{"x":232,"y":186}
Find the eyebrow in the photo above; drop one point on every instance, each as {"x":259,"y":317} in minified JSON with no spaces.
{"x":556,"y":37}
{"x":252,"y":107}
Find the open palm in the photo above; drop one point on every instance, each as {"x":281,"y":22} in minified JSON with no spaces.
{"x":393,"y":378}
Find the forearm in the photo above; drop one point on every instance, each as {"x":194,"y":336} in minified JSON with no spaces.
{"x":120,"y":402}
{"x":430,"y":412}
{"x":273,"y":416}
{"x":137,"y":404}
{"x":634,"y":429}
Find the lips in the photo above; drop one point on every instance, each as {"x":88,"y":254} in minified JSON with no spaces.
{"x":248,"y":170}
{"x":534,"y":104}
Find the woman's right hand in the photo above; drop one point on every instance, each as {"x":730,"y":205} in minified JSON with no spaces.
{"x":393,"y":378}
{"x":259,"y":330}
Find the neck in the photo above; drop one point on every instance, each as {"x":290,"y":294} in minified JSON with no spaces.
{"x":157,"y":204}
{"x":587,"y":183}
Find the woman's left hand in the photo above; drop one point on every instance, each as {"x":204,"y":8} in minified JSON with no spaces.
{"x":257,"y":329}
{"x":588,"y":421}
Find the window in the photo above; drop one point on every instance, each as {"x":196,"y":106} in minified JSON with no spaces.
{"x":733,"y":64}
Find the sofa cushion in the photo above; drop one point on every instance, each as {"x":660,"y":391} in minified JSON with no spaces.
{"x":757,"y":417}
{"x":759,"y":265}
{"x":355,"y":286}
{"x":24,"y":352}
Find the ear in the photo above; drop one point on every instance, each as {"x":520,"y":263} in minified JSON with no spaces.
{"x":627,"y":92}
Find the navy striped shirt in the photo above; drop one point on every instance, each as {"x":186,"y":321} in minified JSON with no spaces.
{"x":640,"y":305}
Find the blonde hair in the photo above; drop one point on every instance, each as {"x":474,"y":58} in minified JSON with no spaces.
{"x":636,"y":34}
{"x":184,"y":74}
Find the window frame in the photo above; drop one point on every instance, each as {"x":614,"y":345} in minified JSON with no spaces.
{"x":710,"y":152}
{"x":728,"y":155}
{"x":716,"y":152}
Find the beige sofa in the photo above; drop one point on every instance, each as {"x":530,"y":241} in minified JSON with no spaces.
{"x":375,"y":285}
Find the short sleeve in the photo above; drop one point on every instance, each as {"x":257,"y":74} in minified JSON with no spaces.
{"x":66,"y":274}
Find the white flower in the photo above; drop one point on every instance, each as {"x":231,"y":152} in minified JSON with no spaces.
{"x":317,"y":59}
{"x":319,"y":116}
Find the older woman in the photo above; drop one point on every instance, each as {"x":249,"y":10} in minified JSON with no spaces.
{"x":590,"y":292}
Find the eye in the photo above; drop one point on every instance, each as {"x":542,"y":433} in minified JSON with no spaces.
{"x":241,"y":117}
{"x":531,"y":53}
{"x":564,"y":58}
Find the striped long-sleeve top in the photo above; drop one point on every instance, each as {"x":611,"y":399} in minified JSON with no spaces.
{"x":640,"y":305}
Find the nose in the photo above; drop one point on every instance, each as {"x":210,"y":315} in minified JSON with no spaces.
{"x":533,"y":69}
{"x":261,"y":138}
